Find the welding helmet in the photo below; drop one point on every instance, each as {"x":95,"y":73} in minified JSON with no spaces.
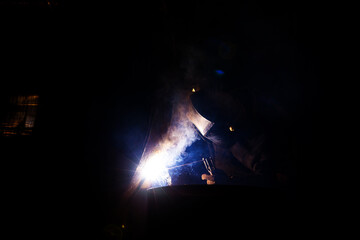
{"x":217,"y":116}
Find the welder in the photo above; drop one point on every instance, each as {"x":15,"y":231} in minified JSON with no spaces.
{"x":239,"y":141}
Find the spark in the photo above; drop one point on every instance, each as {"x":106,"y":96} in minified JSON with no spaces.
{"x":154,"y":168}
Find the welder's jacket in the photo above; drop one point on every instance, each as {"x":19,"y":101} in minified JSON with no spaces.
{"x":242,"y":163}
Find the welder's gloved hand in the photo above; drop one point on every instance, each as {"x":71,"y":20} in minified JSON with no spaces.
{"x":210,"y":179}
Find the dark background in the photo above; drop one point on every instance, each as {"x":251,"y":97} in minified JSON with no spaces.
{"x":100,"y":70}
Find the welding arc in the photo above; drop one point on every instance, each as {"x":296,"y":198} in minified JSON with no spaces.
{"x":184,"y":164}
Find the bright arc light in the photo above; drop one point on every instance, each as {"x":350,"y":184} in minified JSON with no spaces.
{"x":155,"y":169}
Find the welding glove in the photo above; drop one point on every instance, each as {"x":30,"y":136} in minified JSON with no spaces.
{"x":210,"y":179}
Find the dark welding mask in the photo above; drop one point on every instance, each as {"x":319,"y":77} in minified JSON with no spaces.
{"x":214,"y":115}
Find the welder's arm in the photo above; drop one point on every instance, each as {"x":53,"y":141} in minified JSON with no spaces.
{"x":253,"y":158}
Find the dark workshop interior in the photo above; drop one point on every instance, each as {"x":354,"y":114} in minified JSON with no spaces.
{"x":88,"y":92}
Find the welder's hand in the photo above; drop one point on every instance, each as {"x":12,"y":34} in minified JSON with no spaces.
{"x":210,"y":179}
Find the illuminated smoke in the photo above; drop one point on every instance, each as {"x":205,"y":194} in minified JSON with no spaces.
{"x":184,"y":128}
{"x":153,"y":167}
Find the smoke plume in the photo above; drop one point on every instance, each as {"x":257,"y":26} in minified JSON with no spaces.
{"x":167,"y":152}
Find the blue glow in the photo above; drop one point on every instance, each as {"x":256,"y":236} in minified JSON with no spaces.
{"x":219,"y":72}
{"x":191,"y":174}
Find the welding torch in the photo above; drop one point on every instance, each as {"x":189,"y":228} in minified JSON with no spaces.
{"x":210,"y":167}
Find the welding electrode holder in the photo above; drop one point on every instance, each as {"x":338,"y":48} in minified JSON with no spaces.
{"x":209,"y":165}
